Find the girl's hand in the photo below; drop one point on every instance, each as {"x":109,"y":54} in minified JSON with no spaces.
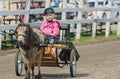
{"x":51,"y":34}
{"x":54,"y":19}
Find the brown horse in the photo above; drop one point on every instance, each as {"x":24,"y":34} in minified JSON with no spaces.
{"x":28,"y":41}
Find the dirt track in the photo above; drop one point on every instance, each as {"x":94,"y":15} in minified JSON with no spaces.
{"x":98,"y":61}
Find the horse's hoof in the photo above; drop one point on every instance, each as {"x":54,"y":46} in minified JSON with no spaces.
{"x":27,"y":78}
{"x":34,"y":77}
{"x":39,"y":77}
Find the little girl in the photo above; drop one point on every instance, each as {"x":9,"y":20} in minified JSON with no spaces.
{"x":50,"y":27}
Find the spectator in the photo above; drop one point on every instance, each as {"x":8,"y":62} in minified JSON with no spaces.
{"x":31,"y":16}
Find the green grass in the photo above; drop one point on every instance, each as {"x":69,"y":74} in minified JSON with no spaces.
{"x":7,"y":45}
{"x":85,"y":37}
{"x":99,"y":36}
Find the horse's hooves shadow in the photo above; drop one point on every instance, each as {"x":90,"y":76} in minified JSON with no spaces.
{"x":37,"y":77}
{"x":22,"y":75}
{"x":83,"y":75}
{"x":60,"y":76}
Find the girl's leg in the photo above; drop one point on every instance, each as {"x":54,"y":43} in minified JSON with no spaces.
{"x":53,"y":52}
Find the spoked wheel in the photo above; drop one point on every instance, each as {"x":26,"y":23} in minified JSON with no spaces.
{"x":18,"y":63}
{"x":73,"y":63}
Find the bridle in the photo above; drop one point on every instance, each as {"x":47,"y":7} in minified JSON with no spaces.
{"x":20,"y":35}
{"x":26,"y":36}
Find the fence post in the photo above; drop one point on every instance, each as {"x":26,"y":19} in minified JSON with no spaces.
{"x":118,"y":27}
{"x":48,"y":3}
{"x":107,"y":31}
{"x":27,"y":8}
{"x":72,"y":26}
{"x":64,"y":5}
{"x":1,"y":9}
{"x":0,"y":40}
{"x":79,"y":25}
{"x":94,"y":23}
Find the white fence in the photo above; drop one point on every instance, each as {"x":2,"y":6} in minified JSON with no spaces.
{"x":63,"y":10}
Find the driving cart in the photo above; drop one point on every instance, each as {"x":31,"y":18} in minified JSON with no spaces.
{"x":66,"y":54}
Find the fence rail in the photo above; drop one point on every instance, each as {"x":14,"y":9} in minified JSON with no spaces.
{"x":57,"y":10}
{"x":37,"y":24}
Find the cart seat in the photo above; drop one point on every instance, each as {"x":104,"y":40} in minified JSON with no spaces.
{"x":64,"y":32}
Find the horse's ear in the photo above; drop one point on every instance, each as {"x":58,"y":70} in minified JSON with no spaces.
{"x":27,"y":24}
{"x":23,"y":24}
{"x":30,"y":29}
{"x":16,"y":30}
{"x":20,"y":24}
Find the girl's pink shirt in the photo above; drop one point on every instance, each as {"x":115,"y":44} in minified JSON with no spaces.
{"x":50,"y":28}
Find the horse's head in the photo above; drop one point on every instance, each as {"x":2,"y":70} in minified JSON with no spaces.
{"x":23,"y":33}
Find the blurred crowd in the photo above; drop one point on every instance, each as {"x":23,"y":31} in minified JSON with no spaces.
{"x":54,"y":3}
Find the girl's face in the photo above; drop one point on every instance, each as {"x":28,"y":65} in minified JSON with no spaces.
{"x":49,"y":16}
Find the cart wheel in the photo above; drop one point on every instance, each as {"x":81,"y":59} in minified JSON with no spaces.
{"x":18,"y":63}
{"x":73,"y":63}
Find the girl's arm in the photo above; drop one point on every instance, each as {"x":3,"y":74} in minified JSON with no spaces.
{"x":45,"y":29}
{"x":56,"y":29}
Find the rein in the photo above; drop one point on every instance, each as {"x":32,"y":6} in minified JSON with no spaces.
{"x":20,"y":35}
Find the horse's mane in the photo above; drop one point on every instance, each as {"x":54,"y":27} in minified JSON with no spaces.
{"x":24,"y":25}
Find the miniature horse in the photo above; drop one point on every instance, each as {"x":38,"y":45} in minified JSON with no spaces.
{"x":28,"y":41}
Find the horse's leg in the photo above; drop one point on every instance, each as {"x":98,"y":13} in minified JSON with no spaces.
{"x":39,"y":64}
{"x":27,"y":67}
{"x":27,"y":71}
{"x":27,"y":75}
{"x":32,"y":68}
